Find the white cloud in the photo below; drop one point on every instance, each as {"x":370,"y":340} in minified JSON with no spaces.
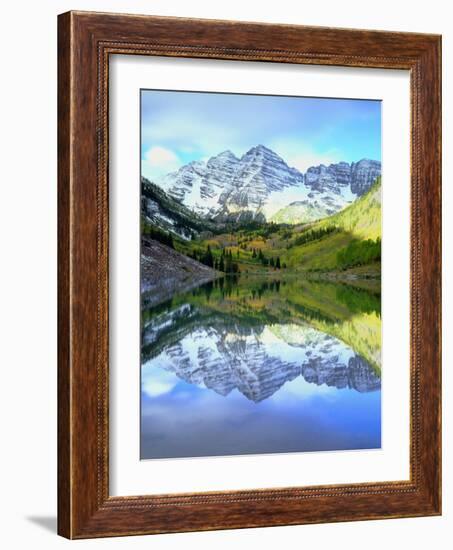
{"x":160,"y":157}
{"x":158,"y":161}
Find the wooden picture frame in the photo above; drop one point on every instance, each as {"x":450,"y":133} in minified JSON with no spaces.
{"x":85,"y":42}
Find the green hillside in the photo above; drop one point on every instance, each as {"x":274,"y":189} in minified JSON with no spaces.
{"x":352,"y":239}
{"x":362,"y":218}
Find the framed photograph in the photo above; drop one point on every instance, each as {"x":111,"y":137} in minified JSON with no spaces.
{"x":249,"y":275}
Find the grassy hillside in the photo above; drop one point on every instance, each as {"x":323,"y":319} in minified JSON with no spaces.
{"x":355,"y":233}
{"x":362,"y":219}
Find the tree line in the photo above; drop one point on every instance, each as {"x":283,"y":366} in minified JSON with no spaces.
{"x":157,"y":234}
{"x":313,"y":235}
{"x":225,"y":263}
{"x":271,"y":262}
{"x":358,"y":253}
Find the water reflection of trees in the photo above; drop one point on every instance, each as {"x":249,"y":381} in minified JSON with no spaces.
{"x":228,"y":286}
{"x":350,"y":314}
{"x":359,"y":300}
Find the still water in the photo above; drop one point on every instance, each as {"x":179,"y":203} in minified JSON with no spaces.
{"x":251,"y":366}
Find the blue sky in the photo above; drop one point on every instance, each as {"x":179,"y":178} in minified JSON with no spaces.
{"x":179,"y":127}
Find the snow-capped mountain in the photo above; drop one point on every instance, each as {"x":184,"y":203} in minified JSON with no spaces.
{"x":260,"y":184}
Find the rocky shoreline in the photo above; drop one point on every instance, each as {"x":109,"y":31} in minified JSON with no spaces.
{"x":165,"y":271}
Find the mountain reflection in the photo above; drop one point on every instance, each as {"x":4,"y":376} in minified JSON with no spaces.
{"x":282,"y":365}
{"x":257,"y":361}
{"x":227,"y":337}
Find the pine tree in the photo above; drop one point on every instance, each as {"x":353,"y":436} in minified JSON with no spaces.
{"x":208,"y":258}
{"x":277,"y":263}
{"x":271,"y":262}
{"x":222,"y":264}
{"x":229,"y":264}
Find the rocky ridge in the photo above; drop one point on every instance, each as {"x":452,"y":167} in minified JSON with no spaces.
{"x":260,"y":184}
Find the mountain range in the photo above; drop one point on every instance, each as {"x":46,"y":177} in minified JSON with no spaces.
{"x":260,"y":186}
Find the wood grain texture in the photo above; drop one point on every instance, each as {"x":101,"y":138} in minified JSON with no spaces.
{"x":64,"y":367}
{"x":85,"y":42}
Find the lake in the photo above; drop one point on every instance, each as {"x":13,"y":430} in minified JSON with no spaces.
{"x":253,"y":365}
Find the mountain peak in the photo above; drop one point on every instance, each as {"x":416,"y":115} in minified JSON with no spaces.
{"x":261,"y":149}
{"x":366,"y":161}
{"x":265,"y":156}
{"x":226,"y":154}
